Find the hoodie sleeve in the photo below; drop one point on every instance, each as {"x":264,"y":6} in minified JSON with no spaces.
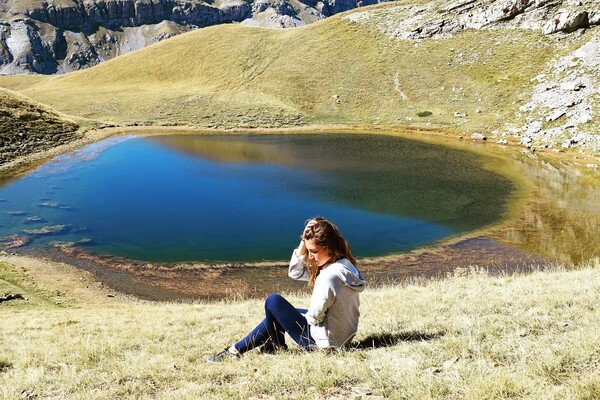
{"x":322,"y":297}
{"x":297,"y":269}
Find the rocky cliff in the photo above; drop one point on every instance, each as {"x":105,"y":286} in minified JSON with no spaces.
{"x":58,"y":36}
{"x":438,"y":19}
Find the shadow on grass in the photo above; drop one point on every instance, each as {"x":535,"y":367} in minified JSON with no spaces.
{"x":389,"y":339}
{"x":5,"y":365}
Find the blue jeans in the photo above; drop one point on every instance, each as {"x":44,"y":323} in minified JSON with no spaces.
{"x":280,"y":317}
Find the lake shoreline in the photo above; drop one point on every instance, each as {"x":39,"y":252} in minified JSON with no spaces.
{"x":192,"y":281}
{"x":165,"y":281}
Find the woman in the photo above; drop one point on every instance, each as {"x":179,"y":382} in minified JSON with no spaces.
{"x":331,"y":320}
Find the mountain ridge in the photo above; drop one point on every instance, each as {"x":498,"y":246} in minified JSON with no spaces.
{"x":59,"y":36}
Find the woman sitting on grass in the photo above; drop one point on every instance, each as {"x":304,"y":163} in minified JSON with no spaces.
{"x":331,"y":320}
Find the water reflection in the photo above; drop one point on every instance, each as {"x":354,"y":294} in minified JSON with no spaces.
{"x":562,"y":219}
{"x":380,"y":174}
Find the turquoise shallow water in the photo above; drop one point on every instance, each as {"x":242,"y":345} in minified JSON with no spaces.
{"x":246,"y":197}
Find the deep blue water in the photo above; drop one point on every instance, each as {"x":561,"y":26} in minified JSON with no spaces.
{"x":246,"y":197}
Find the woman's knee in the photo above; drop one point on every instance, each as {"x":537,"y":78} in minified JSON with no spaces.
{"x":274,"y":300}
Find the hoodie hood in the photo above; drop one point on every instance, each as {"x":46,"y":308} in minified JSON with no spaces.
{"x":350,"y":275}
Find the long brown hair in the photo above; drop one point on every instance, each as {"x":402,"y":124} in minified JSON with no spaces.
{"x":327,"y":235}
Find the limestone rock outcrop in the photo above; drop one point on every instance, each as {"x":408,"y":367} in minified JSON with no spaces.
{"x":438,"y":18}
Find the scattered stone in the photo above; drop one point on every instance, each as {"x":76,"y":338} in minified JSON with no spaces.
{"x":572,"y":86}
{"x":502,"y":141}
{"x":526,"y":140}
{"x":336,"y":98}
{"x":449,"y":363}
{"x":534,"y":127}
{"x":577,"y":138}
{"x":592,"y":165}
{"x":555,"y":115}
{"x":10,"y":296}
{"x":434,"y":370}
{"x":585,"y":116}
{"x":478,"y":136}
{"x":48,"y":230}
{"x":459,"y":115}
{"x":567,"y":21}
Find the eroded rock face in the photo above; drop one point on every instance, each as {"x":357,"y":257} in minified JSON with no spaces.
{"x":55,"y":36}
{"x":439,"y":18}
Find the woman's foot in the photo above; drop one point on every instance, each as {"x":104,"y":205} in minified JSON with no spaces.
{"x":225,"y":355}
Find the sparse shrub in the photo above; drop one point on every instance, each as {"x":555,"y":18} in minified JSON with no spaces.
{"x":424,"y":114}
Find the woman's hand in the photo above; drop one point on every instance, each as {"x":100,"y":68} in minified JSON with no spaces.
{"x":302,"y":246}
{"x":309,"y":225}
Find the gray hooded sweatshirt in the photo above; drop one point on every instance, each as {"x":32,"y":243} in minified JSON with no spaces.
{"x":333,"y":312}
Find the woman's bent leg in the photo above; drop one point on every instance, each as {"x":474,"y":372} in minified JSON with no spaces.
{"x":280,"y":317}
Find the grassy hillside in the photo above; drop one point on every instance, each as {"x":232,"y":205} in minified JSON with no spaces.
{"x":237,"y":76}
{"x":27,"y":126}
{"x":470,"y":336}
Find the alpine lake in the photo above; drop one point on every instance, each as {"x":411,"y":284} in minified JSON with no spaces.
{"x":207,"y":216}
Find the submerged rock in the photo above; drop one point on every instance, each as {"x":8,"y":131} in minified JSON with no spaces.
{"x":60,"y":244}
{"x":14,"y":241}
{"x":15,"y":212}
{"x":54,"y":204}
{"x":48,"y":204}
{"x":34,"y":218}
{"x":48,"y":230}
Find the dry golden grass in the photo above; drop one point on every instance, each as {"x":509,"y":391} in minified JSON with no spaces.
{"x":238,"y":76}
{"x":470,"y":336}
{"x":27,"y":126}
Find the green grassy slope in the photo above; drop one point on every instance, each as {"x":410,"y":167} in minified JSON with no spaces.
{"x":27,"y":126}
{"x":237,"y":76}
